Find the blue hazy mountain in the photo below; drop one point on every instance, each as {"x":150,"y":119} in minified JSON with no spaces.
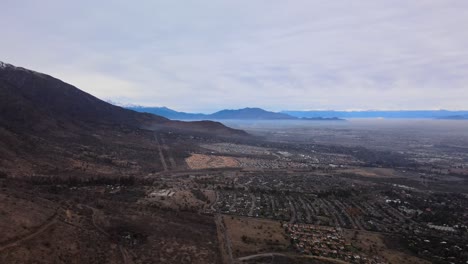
{"x":430,"y":114}
{"x":261,"y":114}
{"x":250,"y":113}
{"x":167,"y":112}
{"x":241,"y":114}
{"x":455,"y":117}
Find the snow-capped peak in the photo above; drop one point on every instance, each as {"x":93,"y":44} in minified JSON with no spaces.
{"x":4,"y":65}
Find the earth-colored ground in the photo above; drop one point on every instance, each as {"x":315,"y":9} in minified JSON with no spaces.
{"x":373,"y":172}
{"x":201,"y":161}
{"x":180,"y":199}
{"x":237,"y":149}
{"x":84,"y":225}
{"x":373,"y":243}
{"x":15,"y":223}
{"x":252,"y":236}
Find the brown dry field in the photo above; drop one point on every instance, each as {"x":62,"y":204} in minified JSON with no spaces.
{"x":373,"y":172}
{"x":373,"y":243}
{"x":261,"y":235}
{"x":201,"y":161}
{"x":16,"y":223}
{"x":39,"y":225}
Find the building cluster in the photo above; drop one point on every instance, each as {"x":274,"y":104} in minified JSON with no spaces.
{"x":325,"y":242}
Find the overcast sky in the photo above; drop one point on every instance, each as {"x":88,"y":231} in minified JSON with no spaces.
{"x":204,"y":56}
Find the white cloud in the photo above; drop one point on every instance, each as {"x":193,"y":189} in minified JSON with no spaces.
{"x":207,"y":55}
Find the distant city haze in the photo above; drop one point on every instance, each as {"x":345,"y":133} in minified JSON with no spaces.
{"x":205,"y":56}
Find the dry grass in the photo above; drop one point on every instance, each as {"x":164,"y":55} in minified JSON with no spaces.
{"x":373,"y":172}
{"x":373,"y":244}
{"x":18,"y":216}
{"x":251,"y":236}
{"x":200,"y":161}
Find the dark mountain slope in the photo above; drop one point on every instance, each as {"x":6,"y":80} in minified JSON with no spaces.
{"x":50,"y":127}
{"x":31,"y":98}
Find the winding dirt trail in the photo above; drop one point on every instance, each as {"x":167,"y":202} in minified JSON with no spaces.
{"x":38,"y":230}
{"x":161,"y":155}
{"x":224,"y":241}
{"x":169,"y":154}
{"x":123,"y":251}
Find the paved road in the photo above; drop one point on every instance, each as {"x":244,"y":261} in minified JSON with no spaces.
{"x":272,"y":255}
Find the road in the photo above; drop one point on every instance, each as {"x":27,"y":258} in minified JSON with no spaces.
{"x":212,"y":206}
{"x":272,"y":255}
{"x":293,"y":211}
{"x":252,"y":196}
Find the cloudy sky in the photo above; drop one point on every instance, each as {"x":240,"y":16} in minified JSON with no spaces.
{"x":204,"y":56}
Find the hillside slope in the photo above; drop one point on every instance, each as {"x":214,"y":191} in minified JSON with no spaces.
{"x":50,"y":127}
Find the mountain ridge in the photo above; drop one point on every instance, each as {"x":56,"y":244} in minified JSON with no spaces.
{"x":430,"y":114}
{"x":49,"y":127}
{"x":27,"y":94}
{"x":248,"y":113}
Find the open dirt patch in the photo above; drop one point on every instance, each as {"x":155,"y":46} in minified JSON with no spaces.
{"x":252,"y":236}
{"x":373,"y":172}
{"x":200,"y":161}
{"x":373,"y":243}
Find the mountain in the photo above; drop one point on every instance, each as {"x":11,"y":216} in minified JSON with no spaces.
{"x":431,"y":114}
{"x":454,"y":117}
{"x":249,"y":113}
{"x":239,"y":114}
{"x":32,"y":100}
{"x":168,"y":113}
{"x":49,"y":126}
{"x":35,"y":100}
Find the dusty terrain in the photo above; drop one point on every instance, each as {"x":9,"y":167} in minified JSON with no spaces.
{"x":373,"y":172}
{"x":250,"y":236}
{"x":108,"y":226}
{"x":200,"y":161}
{"x":374,"y":243}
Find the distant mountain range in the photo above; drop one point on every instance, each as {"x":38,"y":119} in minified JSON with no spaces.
{"x":429,"y":114}
{"x":239,"y":114}
{"x":455,"y":117}
{"x":261,"y":114}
